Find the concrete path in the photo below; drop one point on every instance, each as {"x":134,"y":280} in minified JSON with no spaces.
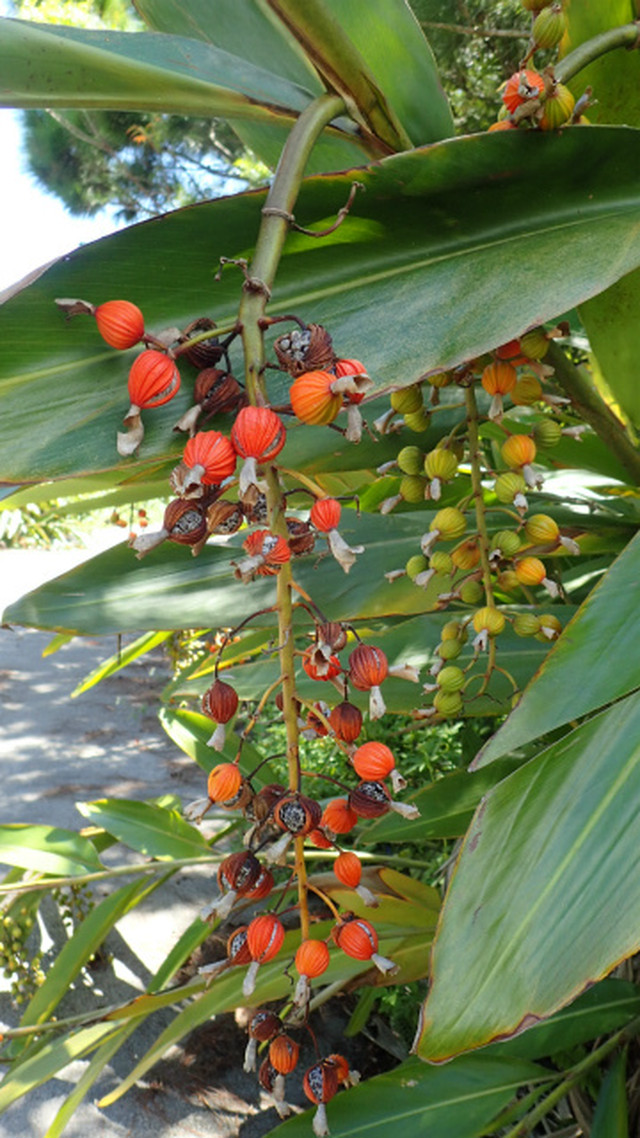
{"x":55,"y":751}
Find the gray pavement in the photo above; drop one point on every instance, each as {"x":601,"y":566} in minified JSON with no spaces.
{"x":55,"y":751}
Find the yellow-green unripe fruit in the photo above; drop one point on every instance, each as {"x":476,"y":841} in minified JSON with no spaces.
{"x":441,"y":563}
{"x":508,"y":581}
{"x":527,"y":390}
{"x":407,"y":399}
{"x":525,"y":624}
{"x":547,"y":433}
{"x":412,"y":488}
{"x":447,"y":702}
{"x":454,"y":630}
{"x":541,"y":529}
{"x":488,"y":619}
{"x":449,"y":522}
{"x":417,"y":421}
{"x":450,"y":678}
{"x":441,"y":463}
{"x":507,"y":541}
{"x":534,"y":344}
{"x":410,"y":460}
{"x":416,"y":564}
{"x":449,"y":649}
{"x":466,"y":555}
{"x":548,"y":29}
{"x":471,"y":592}
{"x":550,"y":628}
{"x":440,"y":379}
{"x":558,"y":108}
{"x":507,"y":486}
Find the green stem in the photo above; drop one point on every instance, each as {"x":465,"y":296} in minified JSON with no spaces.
{"x":627,"y":35}
{"x":275,"y":223}
{"x":592,"y":408}
{"x":103,"y":874}
{"x":475,"y":460}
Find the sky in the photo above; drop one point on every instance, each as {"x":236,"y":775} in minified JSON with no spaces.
{"x":35,"y":226}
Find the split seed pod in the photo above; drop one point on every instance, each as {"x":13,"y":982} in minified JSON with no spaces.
{"x":311,"y":960}
{"x":368,"y":668}
{"x":320,"y":1084}
{"x":153,"y":380}
{"x":215,"y":392}
{"x":184,"y":522}
{"x":208,"y":459}
{"x":358,"y":939}
{"x":258,"y":435}
{"x":263,"y":1027}
{"x":236,"y":875}
{"x":353,"y":382}
{"x":205,"y":353}
{"x":521,"y":87}
{"x":220,"y":703}
{"x":304,"y":349}
{"x":313,"y":400}
{"x":318,"y":667}
{"x":371,"y":799}
{"x":267,"y":552}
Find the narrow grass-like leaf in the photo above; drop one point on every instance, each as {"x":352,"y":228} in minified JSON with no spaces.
{"x":47,"y":849}
{"x":152,"y":830}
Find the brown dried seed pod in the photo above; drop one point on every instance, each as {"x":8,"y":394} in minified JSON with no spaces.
{"x":297,"y":814}
{"x":239,"y":872}
{"x":334,"y":634}
{"x":265,"y":800}
{"x":185,"y":522}
{"x":218,"y":392}
{"x":207,"y":352}
{"x":224,"y":517}
{"x":305,"y":349}
{"x":237,"y":947}
{"x":346,"y":721}
{"x":301,"y":538}
{"x":370,"y":799}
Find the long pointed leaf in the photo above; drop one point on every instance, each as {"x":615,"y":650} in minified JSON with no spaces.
{"x":560,"y":909}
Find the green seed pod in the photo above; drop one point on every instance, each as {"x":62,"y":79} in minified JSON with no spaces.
{"x":407,"y":399}
{"x":558,"y":108}
{"x":449,"y":649}
{"x":447,"y":703}
{"x":417,"y":421}
{"x":450,"y":523}
{"x":441,"y":379}
{"x":550,"y":628}
{"x":489,"y":619}
{"x":416,"y":564}
{"x":412,"y":488}
{"x":507,"y":541}
{"x":471,"y":592}
{"x":525,"y":624}
{"x":450,"y":678}
{"x":508,"y":580}
{"x":454,"y":630}
{"x":549,"y":26}
{"x":541,"y":529}
{"x":441,"y":463}
{"x":441,"y":563}
{"x":410,"y":460}
{"x":527,"y":390}
{"x":534,"y":344}
{"x":508,"y":485}
{"x":547,"y":433}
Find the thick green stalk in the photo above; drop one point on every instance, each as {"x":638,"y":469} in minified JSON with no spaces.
{"x":627,"y":35}
{"x":592,"y":408}
{"x":275,"y":223}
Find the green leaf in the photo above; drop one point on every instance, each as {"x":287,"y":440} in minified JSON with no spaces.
{"x":120,"y":659}
{"x":50,"y":1059}
{"x":456,"y":1101}
{"x":613,"y":333}
{"x":190,"y":731}
{"x":47,"y":849}
{"x":149,"y":829}
{"x":446,"y":808}
{"x":87,"y":937}
{"x":88,"y":1077}
{"x":456,"y":218}
{"x":611,"y":1116}
{"x":600,"y":1010}
{"x":570,"y":876}
{"x":580,"y":674}
{"x":44,"y":64}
